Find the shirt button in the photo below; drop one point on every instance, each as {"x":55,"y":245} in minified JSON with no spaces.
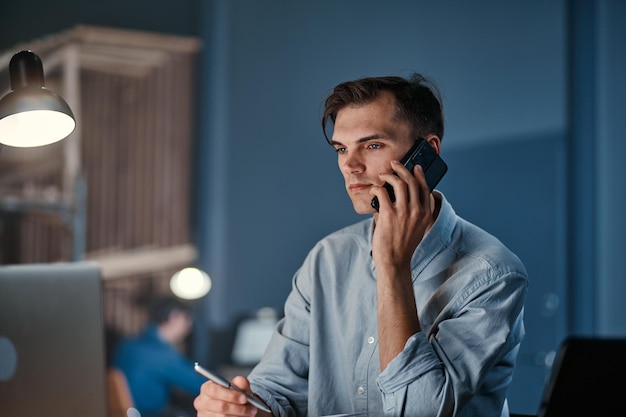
{"x":360,"y":390}
{"x":370,"y":340}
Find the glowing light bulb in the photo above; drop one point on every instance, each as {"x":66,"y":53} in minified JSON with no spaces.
{"x":190,"y":283}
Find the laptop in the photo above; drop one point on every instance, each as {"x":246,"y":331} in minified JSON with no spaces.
{"x":588,"y":378}
{"x":52,"y":346}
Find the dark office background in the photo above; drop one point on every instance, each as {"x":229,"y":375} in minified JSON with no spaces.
{"x":534,"y":94}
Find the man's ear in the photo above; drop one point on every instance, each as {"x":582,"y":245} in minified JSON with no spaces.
{"x":434,"y":141}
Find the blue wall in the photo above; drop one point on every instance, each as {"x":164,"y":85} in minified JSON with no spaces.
{"x":534,"y":96}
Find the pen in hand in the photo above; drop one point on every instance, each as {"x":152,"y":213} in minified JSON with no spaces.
{"x":226,"y":384}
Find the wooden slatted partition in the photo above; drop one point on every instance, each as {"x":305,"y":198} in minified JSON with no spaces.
{"x":144,"y":137}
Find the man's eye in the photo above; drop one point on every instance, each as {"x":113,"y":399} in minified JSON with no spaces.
{"x":340,"y":150}
{"x":373,"y":146}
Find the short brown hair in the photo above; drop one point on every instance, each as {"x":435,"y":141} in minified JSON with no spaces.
{"x":418,"y":102}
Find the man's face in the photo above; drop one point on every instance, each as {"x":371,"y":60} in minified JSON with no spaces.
{"x":367,"y":139}
{"x":180,"y":322}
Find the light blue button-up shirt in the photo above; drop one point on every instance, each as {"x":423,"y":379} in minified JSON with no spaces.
{"x":470,"y":292}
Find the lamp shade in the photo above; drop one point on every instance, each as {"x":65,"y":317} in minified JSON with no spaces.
{"x":31,"y":114}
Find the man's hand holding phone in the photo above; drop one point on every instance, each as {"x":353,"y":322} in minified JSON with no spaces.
{"x":422,"y":154}
{"x":400,"y":228}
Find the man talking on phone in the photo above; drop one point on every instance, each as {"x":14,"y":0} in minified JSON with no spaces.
{"x":413,"y":311}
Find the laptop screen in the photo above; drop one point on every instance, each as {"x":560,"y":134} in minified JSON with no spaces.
{"x":587,"y":377}
{"x":52,"y":349}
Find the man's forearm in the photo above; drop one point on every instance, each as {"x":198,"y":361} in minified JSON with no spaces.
{"x":397,"y":314}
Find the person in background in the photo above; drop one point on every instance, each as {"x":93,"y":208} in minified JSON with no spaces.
{"x":159,"y":375}
{"x":411,"y":312}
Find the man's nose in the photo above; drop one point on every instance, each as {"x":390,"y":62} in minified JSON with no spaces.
{"x":352,"y":163}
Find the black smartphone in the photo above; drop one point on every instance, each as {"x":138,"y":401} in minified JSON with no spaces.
{"x":421,"y":153}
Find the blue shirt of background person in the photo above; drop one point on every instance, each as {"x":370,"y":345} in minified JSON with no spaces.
{"x":152,"y":362}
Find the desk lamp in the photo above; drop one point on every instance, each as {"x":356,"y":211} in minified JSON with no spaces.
{"x":30,"y":114}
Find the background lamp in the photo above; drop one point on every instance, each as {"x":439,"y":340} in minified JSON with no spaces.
{"x":31,"y":114}
{"x":190,"y":283}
